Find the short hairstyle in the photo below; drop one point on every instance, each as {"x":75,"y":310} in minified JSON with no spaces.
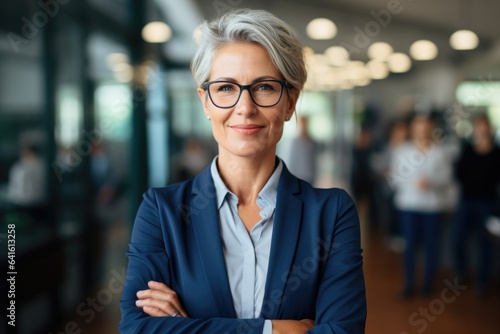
{"x":252,"y":26}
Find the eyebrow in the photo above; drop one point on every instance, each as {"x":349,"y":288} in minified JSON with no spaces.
{"x":265,"y":77}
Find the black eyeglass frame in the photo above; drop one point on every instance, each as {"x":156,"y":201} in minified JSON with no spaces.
{"x":283,"y":83}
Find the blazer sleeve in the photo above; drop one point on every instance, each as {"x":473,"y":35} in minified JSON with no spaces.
{"x":341,"y":301}
{"x":148,"y":260}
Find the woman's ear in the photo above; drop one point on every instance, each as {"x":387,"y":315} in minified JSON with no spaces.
{"x":202,"y":94}
{"x":293,"y":96}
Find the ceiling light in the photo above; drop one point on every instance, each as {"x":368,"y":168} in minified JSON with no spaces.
{"x":321,"y":28}
{"x":399,"y":62}
{"x":320,"y":58}
{"x":464,"y":40}
{"x":363,"y":82}
{"x":156,"y":32}
{"x":423,"y":50}
{"x":355,"y":64}
{"x":329,"y":78}
{"x":380,"y":51}
{"x":378,"y":70}
{"x":318,"y":63}
{"x":346,"y":85}
{"x":358,"y":73}
{"x":337,"y":55}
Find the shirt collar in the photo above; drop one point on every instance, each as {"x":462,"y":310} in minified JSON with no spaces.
{"x":267,"y":194}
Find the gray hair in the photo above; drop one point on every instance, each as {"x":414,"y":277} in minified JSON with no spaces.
{"x":253,"y":26}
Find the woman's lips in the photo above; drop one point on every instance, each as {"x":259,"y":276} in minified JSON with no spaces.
{"x":247,"y":129}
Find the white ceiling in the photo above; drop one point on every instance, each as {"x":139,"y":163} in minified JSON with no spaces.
{"x":417,"y":19}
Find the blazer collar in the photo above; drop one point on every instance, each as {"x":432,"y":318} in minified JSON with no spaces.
{"x":286,"y":229}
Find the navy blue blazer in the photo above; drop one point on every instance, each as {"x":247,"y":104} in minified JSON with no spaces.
{"x":315,"y":267}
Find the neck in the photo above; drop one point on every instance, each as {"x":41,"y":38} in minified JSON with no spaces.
{"x":246,"y":176}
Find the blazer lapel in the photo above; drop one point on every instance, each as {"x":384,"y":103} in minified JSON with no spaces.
{"x":286,"y":229}
{"x":204,"y":217}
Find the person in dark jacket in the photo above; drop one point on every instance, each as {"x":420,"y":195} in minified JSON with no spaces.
{"x":478,"y":173}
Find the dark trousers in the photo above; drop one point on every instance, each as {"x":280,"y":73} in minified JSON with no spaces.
{"x":470,"y":220}
{"x":416,"y":228}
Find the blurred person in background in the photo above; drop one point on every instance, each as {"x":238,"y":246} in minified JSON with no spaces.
{"x":478,"y":173}
{"x":420,"y":174}
{"x":193,"y":158}
{"x":364,"y":178}
{"x":302,"y":153}
{"x":397,"y":135}
{"x":101,"y":174}
{"x":225,"y":252}
{"x":108,"y":185}
{"x":26,"y":186}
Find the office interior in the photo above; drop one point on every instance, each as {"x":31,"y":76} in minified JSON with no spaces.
{"x":102,"y":92}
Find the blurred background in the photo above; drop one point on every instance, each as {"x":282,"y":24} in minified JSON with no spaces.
{"x":97,"y":104}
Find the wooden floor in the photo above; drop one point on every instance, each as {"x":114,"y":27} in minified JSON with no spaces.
{"x":457,"y":312}
{"x":444,"y":312}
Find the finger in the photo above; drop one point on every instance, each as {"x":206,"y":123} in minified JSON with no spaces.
{"x":168,"y":297}
{"x":159,"y":286}
{"x":167,"y":301}
{"x":153,"y":311}
{"x":308,"y":322}
{"x":163,"y":306}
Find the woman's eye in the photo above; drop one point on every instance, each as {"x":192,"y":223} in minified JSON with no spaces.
{"x":264,"y":88}
{"x":226,"y":88}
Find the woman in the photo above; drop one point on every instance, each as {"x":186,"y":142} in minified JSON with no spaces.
{"x":245,"y":247}
{"x":420,"y":175}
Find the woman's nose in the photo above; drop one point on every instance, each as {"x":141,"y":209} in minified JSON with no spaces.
{"x":245,"y":105}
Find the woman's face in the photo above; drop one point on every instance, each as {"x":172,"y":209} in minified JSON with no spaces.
{"x":421,"y":128}
{"x":247,"y":130}
{"x":399,"y":133}
{"x":482,"y":129}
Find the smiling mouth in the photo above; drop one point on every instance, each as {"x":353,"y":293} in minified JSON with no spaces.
{"x":247,"y":130}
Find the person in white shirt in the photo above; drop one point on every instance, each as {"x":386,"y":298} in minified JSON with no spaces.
{"x":26,"y":179}
{"x":420,"y":175}
{"x":26,"y":186}
{"x":302,"y":153}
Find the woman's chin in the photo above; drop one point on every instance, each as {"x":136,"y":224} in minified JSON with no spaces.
{"x":249,"y":151}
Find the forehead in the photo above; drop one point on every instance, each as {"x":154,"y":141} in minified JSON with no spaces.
{"x":242,"y":60}
{"x":421,"y":120}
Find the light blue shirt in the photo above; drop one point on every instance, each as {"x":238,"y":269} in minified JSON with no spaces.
{"x":247,"y":254}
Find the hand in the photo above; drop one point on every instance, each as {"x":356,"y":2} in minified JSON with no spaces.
{"x":423,"y":183}
{"x":292,"y":326}
{"x":160,"y":301}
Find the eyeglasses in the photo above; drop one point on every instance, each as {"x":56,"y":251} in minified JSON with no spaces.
{"x":264,"y":93}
